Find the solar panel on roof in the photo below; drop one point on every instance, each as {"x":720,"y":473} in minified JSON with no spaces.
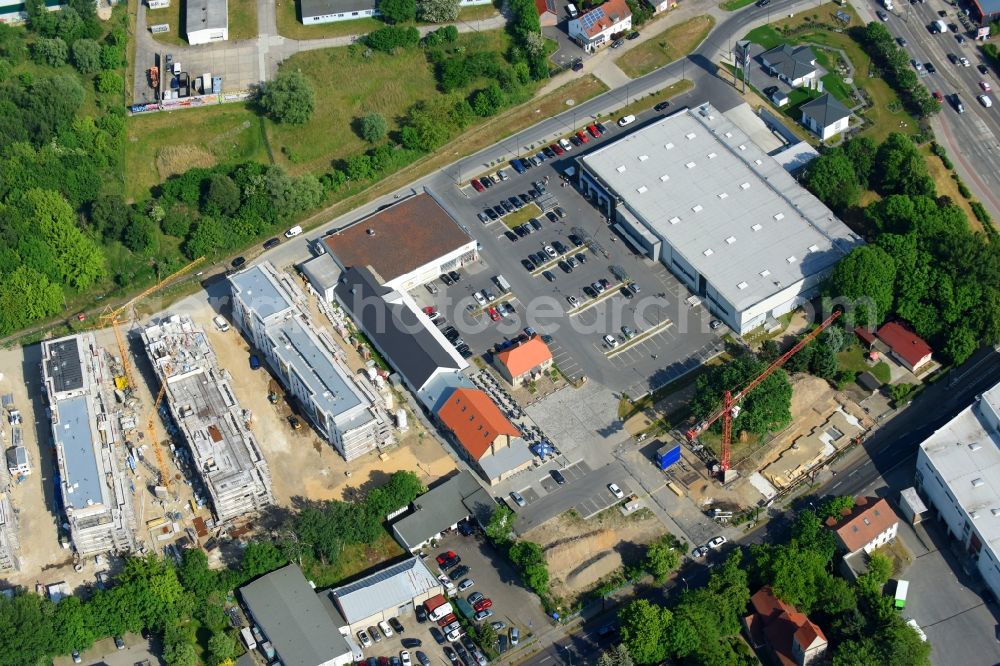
{"x":591,"y":18}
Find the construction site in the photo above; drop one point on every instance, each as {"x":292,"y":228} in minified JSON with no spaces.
{"x":205,"y":413}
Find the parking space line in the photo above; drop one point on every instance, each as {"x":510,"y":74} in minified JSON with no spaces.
{"x":648,"y":333}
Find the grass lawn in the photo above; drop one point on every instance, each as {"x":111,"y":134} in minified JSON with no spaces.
{"x":353,"y":560}
{"x":833,"y":84}
{"x":154,"y":149}
{"x":733,"y":5}
{"x":519,"y":217}
{"x":172,"y":15}
{"x":242,"y":19}
{"x":946,"y":186}
{"x":853,"y":360}
{"x":382,"y":83}
{"x":766,"y":36}
{"x":675,"y":42}
{"x":289,"y":24}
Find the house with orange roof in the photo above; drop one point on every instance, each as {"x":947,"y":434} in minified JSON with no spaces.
{"x":524,"y":362}
{"x":791,"y":636}
{"x":595,"y":28}
{"x":547,"y":14}
{"x":483,"y":435}
{"x":869,"y":524}
{"x":905,"y":346}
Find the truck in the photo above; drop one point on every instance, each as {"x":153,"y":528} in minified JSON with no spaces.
{"x":501,"y":283}
{"x":248,"y":638}
{"x":465,"y":609}
{"x":154,"y":77}
{"x":667,"y":455}
{"x":437,"y":607}
{"x":206,"y":83}
{"x":902,"y":586}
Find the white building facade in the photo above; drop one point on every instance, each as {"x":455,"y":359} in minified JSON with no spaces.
{"x":958,"y":474}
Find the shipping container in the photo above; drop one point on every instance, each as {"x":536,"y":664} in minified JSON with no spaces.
{"x":668,"y":455}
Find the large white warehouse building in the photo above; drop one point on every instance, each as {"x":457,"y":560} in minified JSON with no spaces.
{"x":693,"y":191}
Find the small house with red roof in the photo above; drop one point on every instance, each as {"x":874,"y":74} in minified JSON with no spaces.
{"x":595,"y":28}
{"x":792,"y":637}
{"x":866,"y":526}
{"x":905,"y":346}
{"x":523,"y":362}
{"x":547,"y":13}
{"x":485,"y":437}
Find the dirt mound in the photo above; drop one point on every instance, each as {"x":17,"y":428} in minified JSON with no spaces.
{"x":172,"y":160}
{"x":810,"y":395}
{"x":593,"y":570}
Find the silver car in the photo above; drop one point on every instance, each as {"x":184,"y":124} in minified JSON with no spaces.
{"x":518,"y":499}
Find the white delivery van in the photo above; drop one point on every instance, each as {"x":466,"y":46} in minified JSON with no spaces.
{"x":626,"y":120}
{"x":248,"y":639}
{"x":293,"y":232}
{"x":985,"y":101}
{"x":502,"y":283}
{"x":571,"y":10}
{"x":220,"y":323}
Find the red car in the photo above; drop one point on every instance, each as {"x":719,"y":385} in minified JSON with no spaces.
{"x":582,"y":136}
{"x":476,"y":185}
{"x":938,"y":96}
{"x":494,"y":315}
{"x":429,"y":310}
{"x":594,"y":132}
{"x":557,"y":149}
{"x":446,"y":620}
{"x":483,"y":604}
{"x":444,"y":557}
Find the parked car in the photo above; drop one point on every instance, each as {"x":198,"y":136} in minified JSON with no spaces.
{"x":557,"y":149}
{"x":437,"y":635}
{"x":515,"y":635}
{"x":985,"y":85}
{"x":610,"y":341}
{"x":594,"y":132}
{"x":404,"y":658}
{"x":454,"y":275}
{"x":396,"y":625}
{"x":617,"y":43}
{"x":475,"y":597}
{"x":477,"y":186}
{"x":422,"y":658}
{"x":459,"y":572}
{"x":615,"y":490}
{"x":451,"y":654}
{"x":572,"y":300}
{"x":498,"y":625}
{"x":238,"y":261}
{"x":466,"y":584}
{"x":375,"y":634}
{"x":386,"y":629}
{"x":717,"y":542}
{"x":577,"y":65}
{"x":271,"y":242}
{"x":558,"y":477}
{"x":626,"y":120}
{"x":483,"y":614}
{"x":119,"y":642}
{"x":559,"y":211}
{"x":421,"y":613}
{"x":411,"y":642}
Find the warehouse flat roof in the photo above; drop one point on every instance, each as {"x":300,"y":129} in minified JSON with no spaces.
{"x":259,"y":290}
{"x":966,"y":454}
{"x":325,"y":7}
{"x":84,"y":482}
{"x":389,"y":588}
{"x":206,"y":15}
{"x":399,"y":239}
{"x":725,"y":206}
{"x":293,"y":618}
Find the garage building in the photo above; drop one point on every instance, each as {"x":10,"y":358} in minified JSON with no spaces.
{"x":207,"y":21}
{"x":391,"y":592}
{"x":693,"y":191}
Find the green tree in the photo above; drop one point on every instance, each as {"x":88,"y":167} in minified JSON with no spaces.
{"x":139,"y":233}
{"x":109,"y":82}
{"x":643,"y":629}
{"x":221,"y":646}
{"x":833,"y":179}
{"x":661,"y":559}
{"x":858,"y":653}
{"x":901,"y":168}
{"x":899,"y":392}
{"x":180,"y":654}
{"x":27,"y":296}
{"x":500,"y":528}
{"x":109,"y":215}
{"x":398,"y":11}
{"x":26,"y":630}
{"x":207,"y":238}
{"x":861,"y":151}
{"x":70,"y":626}
{"x":86,"y":55}
{"x":863,"y":281}
{"x":373,"y":127}
{"x":765,"y":409}
{"x":488,"y":101}
{"x":52,"y":52}
{"x":437,"y":11}
{"x":289,"y":98}
{"x":222,"y":195}
{"x":824,"y":362}
{"x":961,"y":344}
{"x":769,"y":351}
{"x":259,"y":558}
{"x":79,"y":260}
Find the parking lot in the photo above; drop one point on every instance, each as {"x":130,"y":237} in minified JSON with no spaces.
{"x":565,"y":300}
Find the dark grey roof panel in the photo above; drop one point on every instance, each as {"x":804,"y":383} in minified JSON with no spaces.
{"x":65,"y":366}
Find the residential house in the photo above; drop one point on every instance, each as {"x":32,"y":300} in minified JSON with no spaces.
{"x":485,"y":437}
{"x":790,"y":635}
{"x":870,"y":523}
{"x":524,"y":362}
{"x":662,"y":5}
{"x":595,"y":28}
{"x":548,"y":14}
{"x":825,"y":116}
{"x":442,"y":508}
{"x":795,"y":65}
{"x":905,"y":346}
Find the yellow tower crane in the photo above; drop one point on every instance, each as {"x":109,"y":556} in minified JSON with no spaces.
{"x":113,"y":317}
{"x":151,"y":436}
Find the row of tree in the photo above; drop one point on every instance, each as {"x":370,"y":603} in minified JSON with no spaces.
{"x":895,"y":63}
{"x":924,"y":264}
{"x":703,"y":626}
{"x":527,"y":556}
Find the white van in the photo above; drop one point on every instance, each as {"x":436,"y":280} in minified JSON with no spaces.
{"x":626,"y":120}
{"x":985,"y":101}
{"x":293,"y":232}
{"x":571,"y":10}
{"x":502,"y":283}
{"x":220,"y":323}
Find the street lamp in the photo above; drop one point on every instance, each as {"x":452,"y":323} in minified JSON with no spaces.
{"x":684,"y":580}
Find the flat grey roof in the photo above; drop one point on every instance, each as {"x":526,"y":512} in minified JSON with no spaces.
{"x":324,"y":7}
{"x":322,"y":271}
{"x":85,"y":479}
{"x":506,"y":459}
{"x":260,"y":292}
{"x":291,"y":615}
{"x":443,"y":506}
{"x":727,"y":208}
{"x":395,"y":328}
{"x":300,"y":349}
{"x":206,"y":15}
{"x":388,"y":588}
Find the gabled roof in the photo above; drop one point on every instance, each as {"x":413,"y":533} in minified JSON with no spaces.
{"x":389,"y":588}
{"x":543,"y":6}
{"x":781,"y":624}
{"x":398,"y":239}
{"x":599,"y":19}
{"x":791,"y":62}
{"x":825,"y":110}
{"x":904,"y":342}
{"x":865,"y":335}
{"x":858,"y":526}
{"x":443,"y":506}
{"x":525,"y":356}
{"x":292,"y":617}
{"x":395,"y":328}
{"x":475,"y":420}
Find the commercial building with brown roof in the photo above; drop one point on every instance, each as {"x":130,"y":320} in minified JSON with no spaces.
{"x":487,"y":439}
{"x":869,"y":524}
{"x":524,"y":361}
{"x":405,"y":245}
{"x":793,"y":638}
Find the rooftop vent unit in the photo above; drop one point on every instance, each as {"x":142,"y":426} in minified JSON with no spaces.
{"x":664,"y":178}
{"x":978,"y":483}
{"x":813,"y":248}
{"x":697,"y":208}
{"x":690,"y":135}
{"x":757,"y":162}
{"x":669,"y":146}
{"x":371,"y":232}
{"x":731,"y":240}
{"x":756,"y":227}
{"x":974,"y":446}
{"x":690,"y":165}
{"x":764,"y":273}
{"x":708,"y":252}
{"x":712,"y":156}
{"x":743,"y":146}
{"x":729,"y":135}
{"x":744,"y":186}
{"x":779,"y":216}
{"x":621,"y":169}
{"x":791,"y":260}
{"x":675,"y":220}
{"x":723,"y":195}
{"x":742,"y":285}
{"x":641,"y":189}
{"x":643,"y":158}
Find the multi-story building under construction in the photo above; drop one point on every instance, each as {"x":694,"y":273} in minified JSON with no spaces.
{"x":202,"y":403}
{"x":93,"y":486}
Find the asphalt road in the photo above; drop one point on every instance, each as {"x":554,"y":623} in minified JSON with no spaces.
{"x":971,"y":138}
